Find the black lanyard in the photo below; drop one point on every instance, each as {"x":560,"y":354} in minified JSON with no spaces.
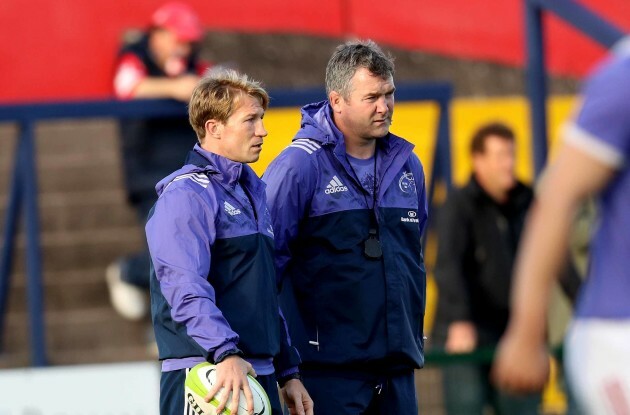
{"x":371,"y":246}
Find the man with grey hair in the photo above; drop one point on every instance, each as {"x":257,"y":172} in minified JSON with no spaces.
{"x":213,"y":284}
{"x":348,"y":205}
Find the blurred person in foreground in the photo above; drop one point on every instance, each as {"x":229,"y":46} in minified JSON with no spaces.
{"x":479,"y":229}
{"x":161,"y":63}
{"x":348,"y":203}
{"x":592,"y":161}
{"x":213,"y":282}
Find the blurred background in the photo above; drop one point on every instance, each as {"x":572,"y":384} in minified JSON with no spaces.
{"x":64,"y":53}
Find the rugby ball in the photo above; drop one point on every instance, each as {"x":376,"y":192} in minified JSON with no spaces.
{"x":200,"y":379}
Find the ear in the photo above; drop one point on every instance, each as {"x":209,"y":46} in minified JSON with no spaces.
{"x":213,"y":128}
{"x":335,"y":101}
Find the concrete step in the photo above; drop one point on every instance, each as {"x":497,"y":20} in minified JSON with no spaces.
{"x":87,"y":329}
{"x":68,"y":154}
{"x":79,"y":211}
{"x":70,"y":277}
{"x":86,"y":224}
{"x":103,"y":354}
{"x":80,"y":178}
{"x":87,"y":159}
{"x":9,"y":360}
{"x":63,"y":291}
{"x":7,"y":155}
{"x":76,"y":137}
{"x":97,"y":212}
{"x":82,"y":249}
{"x":74,"y":176}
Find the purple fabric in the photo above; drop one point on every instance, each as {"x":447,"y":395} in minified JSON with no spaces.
{"x":301,"y":192}
{"x":364,"y":169}
{"x":605,"y":117}
{"x":311,"y":181}
{"x":182,"y":260}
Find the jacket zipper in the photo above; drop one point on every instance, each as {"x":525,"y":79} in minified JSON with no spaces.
{"x":316,"y":341}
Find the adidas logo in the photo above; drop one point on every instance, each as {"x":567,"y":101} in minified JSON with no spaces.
{"x":335,"y":186}
{"x":231,"y":209}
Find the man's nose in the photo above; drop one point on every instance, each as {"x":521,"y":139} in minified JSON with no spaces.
{"x":260,"y":130}
{"x":382,"y":105}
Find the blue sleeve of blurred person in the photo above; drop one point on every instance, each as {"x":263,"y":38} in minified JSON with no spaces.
{"x":180,"y":236}
{"x":603,"y":125}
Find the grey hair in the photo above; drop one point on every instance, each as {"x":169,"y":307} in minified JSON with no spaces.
{"x":351,"y":56}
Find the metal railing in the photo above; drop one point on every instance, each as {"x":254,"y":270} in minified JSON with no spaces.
{"x":23,"y":193}
{"x":582,"y":19}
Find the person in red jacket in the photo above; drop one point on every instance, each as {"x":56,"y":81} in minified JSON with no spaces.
{"x":163,"y":62}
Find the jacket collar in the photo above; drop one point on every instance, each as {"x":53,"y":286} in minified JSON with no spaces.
{"x":317,"y":124}
{"x":226,"y":171}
